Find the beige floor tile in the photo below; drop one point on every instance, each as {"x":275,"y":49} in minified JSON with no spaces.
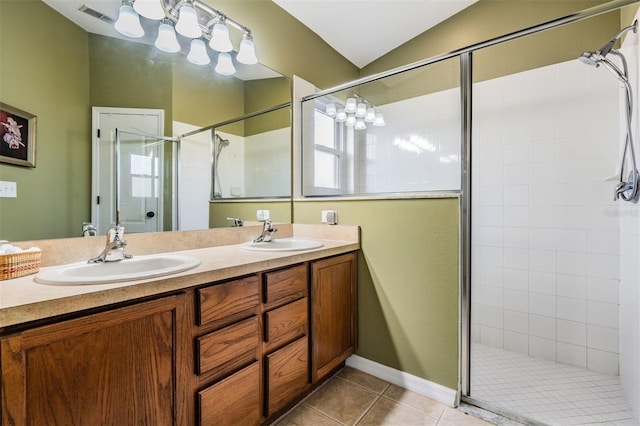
{"x":342,"y":400}
{"x":363,"y":379}
{"x":453,"y":417}
{"x":303,"y":415}
{"x":386,"y":412}
{"x":415,"y":400}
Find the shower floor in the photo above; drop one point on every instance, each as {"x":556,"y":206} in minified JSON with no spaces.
{"x":546,"y":391}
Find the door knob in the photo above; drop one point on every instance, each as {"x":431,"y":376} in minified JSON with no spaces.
{"x":150,"y":214}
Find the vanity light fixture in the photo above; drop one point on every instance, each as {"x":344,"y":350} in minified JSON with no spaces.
{"x":198,"y":53}
{"x":194,"y":20}
{"x":167,"y":40}
{"x":128,"y":22}
{"x":225,"y":65}
{"x":356,"y":113}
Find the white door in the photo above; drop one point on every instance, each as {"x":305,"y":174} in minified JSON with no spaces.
{"x":141,"y":180}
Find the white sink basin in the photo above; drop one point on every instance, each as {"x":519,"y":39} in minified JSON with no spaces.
{"x":284,"y":244}
{"x":136,"y":268}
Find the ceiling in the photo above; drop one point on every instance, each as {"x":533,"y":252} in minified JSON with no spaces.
{"x":364,"y":30}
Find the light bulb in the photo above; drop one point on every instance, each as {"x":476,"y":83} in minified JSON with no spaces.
{"x":341,"y":116}
{"x":198,"y":52}
{"x":350,"y":107}
{"x":379,"y":121}
{"x":351,"y":120}
{"x":220,"y":40}
{"x":128,"y":23}
{"x":151,"y":9}
{"x":225,"y":65}
{"x":188,"y":22}
{"x":371,"y":115}
{"x":330,"y":109}
{"x":247,"y":52}
{"x":361,"y":110}
{"x":360,"y":124}
{"x":167,"y":41}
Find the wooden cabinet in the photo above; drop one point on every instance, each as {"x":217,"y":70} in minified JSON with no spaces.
{"x":115,"y":367}
{"x":235,"y":352}
{"x":333,"y":306}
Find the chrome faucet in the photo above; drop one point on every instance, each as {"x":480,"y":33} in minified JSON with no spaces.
{"x":89,"y":229}
{"x":236,"y":222}
{"x":267,"y":232}
{"x":114,"y":249}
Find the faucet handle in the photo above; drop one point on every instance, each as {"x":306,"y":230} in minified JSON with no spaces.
{"x":236,"y":221}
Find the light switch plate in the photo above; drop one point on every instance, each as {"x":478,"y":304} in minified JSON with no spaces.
{"x":262,"y":214}
{"x":8,"y":189}
{"x":330,"y":217}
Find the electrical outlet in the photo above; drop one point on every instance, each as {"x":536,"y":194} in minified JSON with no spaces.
{"x":330,"y":217}
{"x":262,"y":214}
{"x":8,"y":189}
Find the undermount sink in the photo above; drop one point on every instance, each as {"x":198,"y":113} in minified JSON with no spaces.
{"x":136,"y":268}
{"x":283,"y":244}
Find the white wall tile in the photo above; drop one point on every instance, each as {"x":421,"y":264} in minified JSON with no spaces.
{"x":516,"y":195}
{"x":516,"y":321}
{"x":516,"y":174}
{"x":572,"y":354}
{"x":516,"y":216}
{"x":542,"y":304}
{"x":491,"y":256}
{"x":516,"y":342}
{"x":490,"y":216}
{"x":574,"y":286}
{"x":604,"y":242}
{"x":572,"y":332}
{"x":516,"y":258}
{"x":491,"y":296}
{"x":542,"y":348}
{"x":516,"y":237}
{"x":572,"y":240}
{"x":491,"y":336}
{"x":604,"y":266}
{"x":542,"y":282}
{"x":491,"y":316}
{"x":572,"y":263}
{"x":604,"y":314}
{"x":491,"y":276}
{"x":542,"y":238}
{"x":542,"y":260}
{"x":543,"y":216}
{"x":541,"y":326}
{"x":603,"y":338}
{"x":572,"y":309}
{"x":603,"y":290}
{"x":603,"y":362}
{"x":516,"y":279}
{"x":515,"y":300}
{"x":571,"y":217}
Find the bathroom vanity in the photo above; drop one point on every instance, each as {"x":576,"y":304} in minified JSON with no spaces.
{"x":237,"y":340}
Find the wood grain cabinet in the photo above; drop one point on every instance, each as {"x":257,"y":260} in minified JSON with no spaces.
{"x":111,"y":368}
{"x":333,"y":306}
{"x":237,"y":352}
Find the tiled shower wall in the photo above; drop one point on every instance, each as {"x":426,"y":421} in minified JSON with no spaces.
{"x":545,"y":230}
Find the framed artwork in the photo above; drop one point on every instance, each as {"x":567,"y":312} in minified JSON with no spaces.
{"x":17,"y":136}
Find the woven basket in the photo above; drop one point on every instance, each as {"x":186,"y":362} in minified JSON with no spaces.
{"x":19,"y":264}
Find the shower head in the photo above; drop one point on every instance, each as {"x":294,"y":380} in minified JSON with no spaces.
{"x":590,"y":58}
{"x":222,"y":142}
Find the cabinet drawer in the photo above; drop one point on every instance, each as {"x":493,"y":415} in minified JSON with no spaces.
{"x":287,"y":374}
{"x":237,"y":343}
{"x":285,"y":323}
{"x":232,"y":401}
{"x":229,"y":302}
{"x":285,"y":285}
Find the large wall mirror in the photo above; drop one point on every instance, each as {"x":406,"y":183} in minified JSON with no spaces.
{"x":57,"y":62}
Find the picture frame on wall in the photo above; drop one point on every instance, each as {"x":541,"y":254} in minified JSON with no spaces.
{"x":17,"y":136}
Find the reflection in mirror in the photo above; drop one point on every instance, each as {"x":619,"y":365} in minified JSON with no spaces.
{"x":252,"y":168}
{"x":71,"y":66}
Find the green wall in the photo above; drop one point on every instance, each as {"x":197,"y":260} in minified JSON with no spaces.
{"x":407,"y":281}
{"x":44,"y":70}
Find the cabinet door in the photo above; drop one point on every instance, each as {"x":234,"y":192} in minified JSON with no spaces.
{"x":287,"y":374}
{"x":333,"y":299}
{"x":232,"y":401}
{"x":114,"y":367}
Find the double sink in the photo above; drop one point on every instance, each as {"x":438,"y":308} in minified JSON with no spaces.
{"x":152,"y":266}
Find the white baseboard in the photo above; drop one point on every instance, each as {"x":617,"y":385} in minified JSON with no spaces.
{"x":405,"y":380}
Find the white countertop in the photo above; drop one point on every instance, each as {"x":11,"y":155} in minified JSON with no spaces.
{"x":23,"y":299}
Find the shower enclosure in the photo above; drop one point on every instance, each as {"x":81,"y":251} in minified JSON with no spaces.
{"x":549,"y":285}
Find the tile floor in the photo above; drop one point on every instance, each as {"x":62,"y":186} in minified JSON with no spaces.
{"x":352,"y":397}
{"x":546,"y":391}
